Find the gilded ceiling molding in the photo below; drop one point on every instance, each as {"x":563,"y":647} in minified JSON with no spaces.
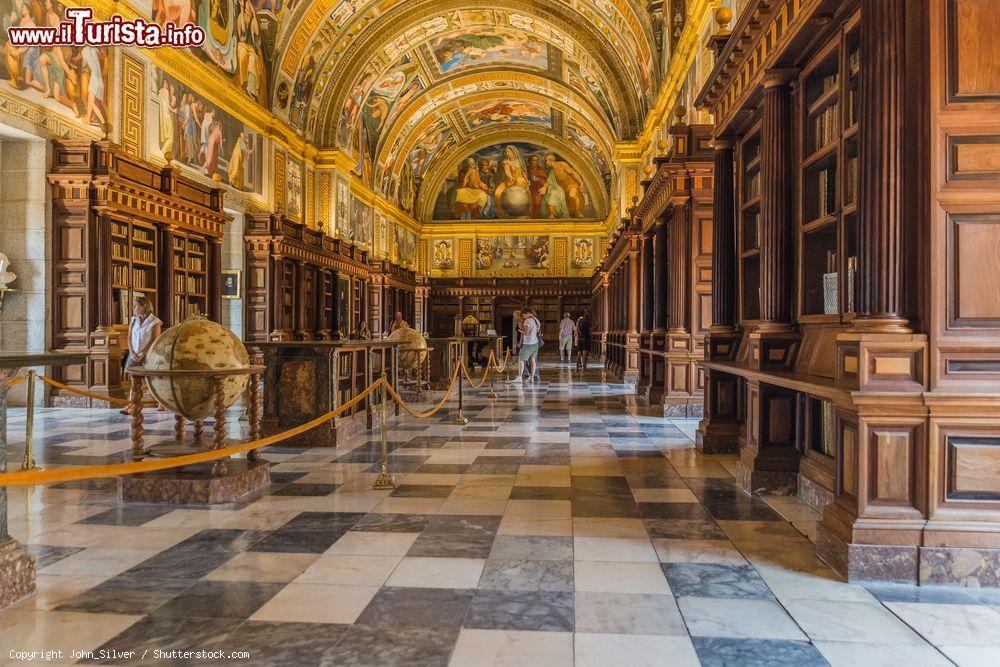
{"x":447,"y":162}
{"x":421,"y":111}
{"x":369,"y":44}
{"x":672,"y":81}
{"x":307,"y":20}
{"x":133,"y":106}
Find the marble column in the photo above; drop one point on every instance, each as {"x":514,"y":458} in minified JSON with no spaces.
{"x":17,"y":568}
{"x":678,"y":267}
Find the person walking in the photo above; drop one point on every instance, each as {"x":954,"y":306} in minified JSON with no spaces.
{"x":143,"y":328}
{"x":527,"y":355}
{"x":567,"y":333}
{"x":582,"y":340}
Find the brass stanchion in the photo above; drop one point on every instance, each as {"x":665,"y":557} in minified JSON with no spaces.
{"x":490,"y":367}
{"x":460,"y":418}
{"x":28,"y":462}
{"x":385,"y":480}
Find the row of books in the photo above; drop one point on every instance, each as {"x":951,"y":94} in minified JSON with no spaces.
{"x":827,"y":192}
{"x":120,"y":251}
{"x":141,"y":278}
{"x":190,"y":284}
{"x":826,"y":127}
{"x":753,"y":186}
{"x":139,"y":234}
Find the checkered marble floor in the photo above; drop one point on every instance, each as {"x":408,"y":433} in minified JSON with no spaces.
{"x":560,"y":526}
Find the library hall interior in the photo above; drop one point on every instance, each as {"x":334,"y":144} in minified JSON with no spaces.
{"x":526,"y":333}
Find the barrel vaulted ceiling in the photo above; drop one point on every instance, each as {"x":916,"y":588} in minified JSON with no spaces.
{"x":405,"y":89}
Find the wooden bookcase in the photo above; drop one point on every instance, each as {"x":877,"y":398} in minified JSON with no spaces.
{"x":828,"y":180}
{"x":392,"y":288}
{"x":124,"y":227}
{"x":749,"y":225}
{"x":301,"y":283}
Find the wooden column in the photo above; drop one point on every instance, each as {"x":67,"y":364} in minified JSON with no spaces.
{"x":774,"y":344}
{"x":718,"y":431}
{"x":660,"y":305}
{"x":647,"y":282}
{"x":632,"y":289}
{"x":678,"y":266}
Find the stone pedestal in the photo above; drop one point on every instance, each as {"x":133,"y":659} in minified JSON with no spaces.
{"x":17,"y":573}
{"x":196,"y":485}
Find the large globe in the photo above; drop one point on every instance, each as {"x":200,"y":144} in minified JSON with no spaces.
{"x":196,"y":344}
{"x":515,"y":202}
{"x":413,"y":347}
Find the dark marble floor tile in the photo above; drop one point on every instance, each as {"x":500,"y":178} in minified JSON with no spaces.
{"x":551,"y":611}
{"x":394,"y":608}
{"x":685,"y":511}
{"x":532,"y":547}
{"x":324,"y":521}
{"x":393,"y":523}
{"x":219,"y":599}
{"x":444,"y":545}
{"x":494,"y":468}
{"x":427,"y":442}
{"x":462,"y":524}
{"x":126,"y":595}
{"x":299,"y":541}
{"x":683,"y":529}
{"x":297,"y":489}
{"x":179,"y":563}
{"x":274,"y":644}
{"x":584,"y":484}
{"x":546,"y":460}
{"x":167,"y":634}
{"x":597,"y":507}
{"x":540,"y":493}
{"x":221,"y":540}
{"x":363,"y":646}
{"x":725,"y":652}
{"x":741,"y":510}
{"x":422,"y":491}
{"x":552,"y":429}
{"x":47,"y":555}
{"x":129,"y":515}
{"x":479,"y":428}
{"x":710,"y":580}
{"x":444,"y":468}
{"x":652,"y":479}
{"x":527,"y":575}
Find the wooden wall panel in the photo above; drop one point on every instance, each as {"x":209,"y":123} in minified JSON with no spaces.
{"x":976,"y":280}
{"x":973,"y":467}
{"x":972,"y":43}
{"x":973,"y":157}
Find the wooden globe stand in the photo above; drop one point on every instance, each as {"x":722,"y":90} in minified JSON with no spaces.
{"x":222,"y":481}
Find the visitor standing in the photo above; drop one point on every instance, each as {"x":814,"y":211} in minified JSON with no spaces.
{"x":527,"y":355}
{"x":582,"y":340}
{"x":567,"y":332}
{"x":143,"y":328}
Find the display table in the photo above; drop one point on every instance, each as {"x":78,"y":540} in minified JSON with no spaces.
{"x":17,"y":569}
{"x":447,"y":351}
{"x":305,"y":379}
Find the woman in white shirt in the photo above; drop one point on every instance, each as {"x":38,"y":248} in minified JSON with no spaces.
{"x":143,"y":328}
{"x":527,"y":356}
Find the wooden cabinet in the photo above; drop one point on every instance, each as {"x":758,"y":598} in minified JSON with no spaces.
{"x":301,"y":283}
{"x":123,"y":227}
{"x":392,"y":288}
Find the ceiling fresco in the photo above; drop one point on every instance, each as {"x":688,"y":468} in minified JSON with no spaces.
{"x":395,"y":84}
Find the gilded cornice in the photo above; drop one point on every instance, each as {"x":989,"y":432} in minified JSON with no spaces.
{"x":756,"y":43}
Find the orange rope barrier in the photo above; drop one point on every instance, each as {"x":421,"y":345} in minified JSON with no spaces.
{"x":87,"y":394}
{"x":13,"y":382}
{"x":424,"y":415}
{"x":490,"y":363}
{"x":70,"y":474}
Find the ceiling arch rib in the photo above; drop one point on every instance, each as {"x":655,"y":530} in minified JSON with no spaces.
{"x":414,"y":31}
{"x":576,"y":112}
{"x":438,"y":123}
{"x":448,"y":162}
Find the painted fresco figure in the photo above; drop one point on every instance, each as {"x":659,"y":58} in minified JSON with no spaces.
{"x":536,"y":184}
{"x":564,"y":189}
{"x":514,"y":176}
{"x":471,"y":198}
